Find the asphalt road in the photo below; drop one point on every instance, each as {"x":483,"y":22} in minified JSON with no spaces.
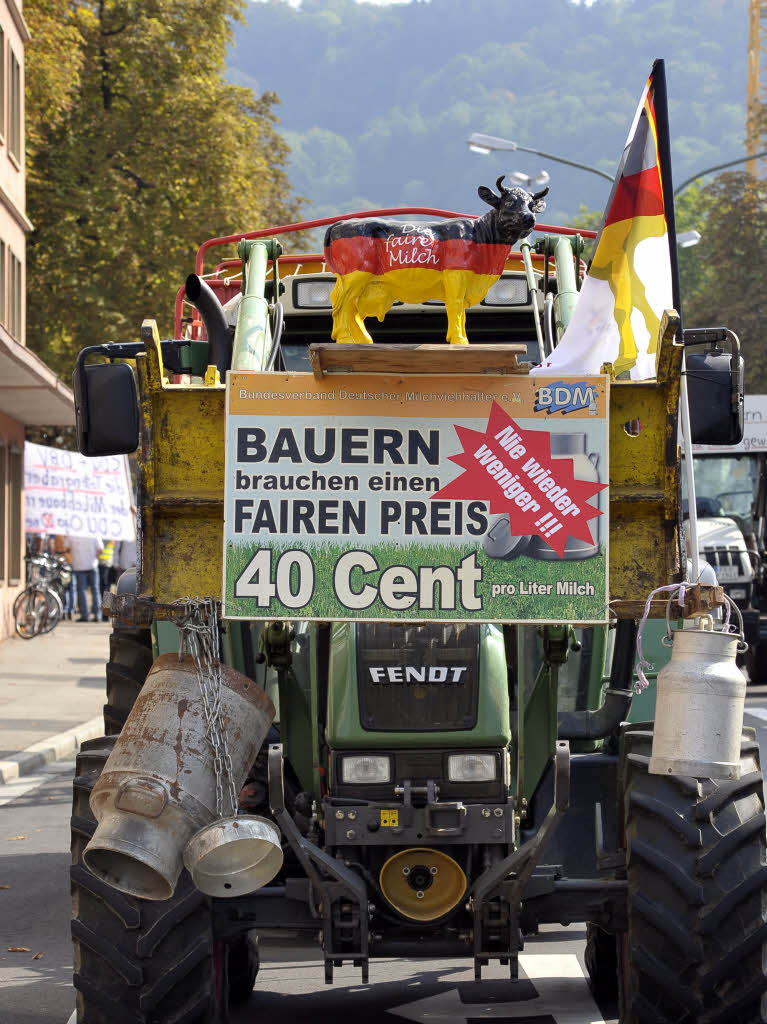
{"x":35,"y":909}
{"x":34,"y":915}
{"x":551,"y":988}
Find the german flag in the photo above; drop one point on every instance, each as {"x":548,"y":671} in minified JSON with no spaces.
{"x":629,"y":283}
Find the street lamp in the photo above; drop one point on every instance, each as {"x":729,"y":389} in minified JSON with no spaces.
{"x":688,"y":239}
{"x":541,"y":178}
{"x":479,"y":143}
{"x":718,"y":167}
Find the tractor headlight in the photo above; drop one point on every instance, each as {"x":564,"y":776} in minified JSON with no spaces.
{"x":313,"y":294}
{"x":471,"y":767}
{"x":362,"y":769}
{"x":508,"y":291}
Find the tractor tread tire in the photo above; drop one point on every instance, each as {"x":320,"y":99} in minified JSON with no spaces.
{"x":601,"y":962}
{"x":137,"y":961}
{"x":242,"y":968}
{"x":130,"y":658}
{"x":696,"y":864}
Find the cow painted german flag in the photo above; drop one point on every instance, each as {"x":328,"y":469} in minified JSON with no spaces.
{"x":379,"y":247}
{"x":629,"y":283}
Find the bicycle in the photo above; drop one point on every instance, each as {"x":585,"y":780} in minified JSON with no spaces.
{"x":39,"y":607}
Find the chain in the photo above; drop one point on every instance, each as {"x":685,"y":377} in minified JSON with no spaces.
{"x":198,"y":636}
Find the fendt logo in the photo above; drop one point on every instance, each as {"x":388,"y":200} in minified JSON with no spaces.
{"x":412,"y":674}
{"x":566,"y":397}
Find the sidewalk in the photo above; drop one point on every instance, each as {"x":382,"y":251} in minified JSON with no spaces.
{"x":52,"y":692}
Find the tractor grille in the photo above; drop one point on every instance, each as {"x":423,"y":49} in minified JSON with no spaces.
{"x":726,"y":561}
{"x":417,"y":678}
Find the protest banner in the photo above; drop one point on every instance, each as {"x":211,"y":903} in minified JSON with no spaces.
{"x":446,"y":497}
{"x":71,"y":494}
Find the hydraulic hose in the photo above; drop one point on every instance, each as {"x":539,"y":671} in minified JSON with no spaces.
{"x":548,"y":323}
{"x":219,"y":339}
{"x":595,"y":725}
{"x":279,"y":323}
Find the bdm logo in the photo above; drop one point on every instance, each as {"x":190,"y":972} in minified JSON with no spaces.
{"x":566,"y":397}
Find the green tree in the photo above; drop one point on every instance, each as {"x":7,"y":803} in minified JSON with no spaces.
{"x":138,"y":150}
{"x":692,"y":209}
{"x":733,"y":256}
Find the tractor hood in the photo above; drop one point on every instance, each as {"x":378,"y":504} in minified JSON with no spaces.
{"x":720,"y":532}
{"x":722,"y":545}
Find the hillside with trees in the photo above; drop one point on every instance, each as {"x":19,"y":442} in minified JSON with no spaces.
{"x":377,"y":101}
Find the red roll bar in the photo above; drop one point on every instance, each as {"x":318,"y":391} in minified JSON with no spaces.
{"x":397,"y":211}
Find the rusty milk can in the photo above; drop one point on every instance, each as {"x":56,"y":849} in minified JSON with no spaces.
{"x":158,"y":787}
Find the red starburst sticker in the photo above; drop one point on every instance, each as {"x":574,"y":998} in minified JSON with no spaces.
{"x":514,"y":471}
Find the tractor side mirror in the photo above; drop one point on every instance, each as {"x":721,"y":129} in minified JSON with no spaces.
{"x":106,"y":406}
{"x":715,"y":386}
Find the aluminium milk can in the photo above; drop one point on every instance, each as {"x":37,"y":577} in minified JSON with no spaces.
{"x":158,"y":787}
{"x":699,"y":707}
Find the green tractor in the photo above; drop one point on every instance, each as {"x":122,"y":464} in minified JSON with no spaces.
{"x":440,"y":789}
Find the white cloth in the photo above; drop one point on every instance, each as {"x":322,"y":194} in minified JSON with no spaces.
{"x":85,"y":552}
{"x":126,"y":555}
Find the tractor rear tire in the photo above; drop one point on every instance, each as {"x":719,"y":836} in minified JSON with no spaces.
{"x":242,"y":967}
{"x":601,"y":958}
{"x":756,"y":663}
{"x":696,"y":865}
{"x":144,"y":961}
{"x":130,"y":658}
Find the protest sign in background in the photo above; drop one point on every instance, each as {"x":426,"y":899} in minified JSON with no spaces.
{"x":458,"y":498}
{"x":68,"y":493}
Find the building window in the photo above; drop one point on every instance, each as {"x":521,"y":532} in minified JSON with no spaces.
{"x":14,"y":296}
{"x":3,"y":479}
{"x":14,"y":89}
{"x":15,"y":491}
{"x":2,"y":83}
{"x":3,"y":286}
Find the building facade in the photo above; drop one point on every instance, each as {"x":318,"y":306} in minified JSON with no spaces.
{"x":30,"y":392}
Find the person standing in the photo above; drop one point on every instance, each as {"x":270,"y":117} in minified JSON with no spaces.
{"x":85,"y":553}
{"x":62,"y":550}
{"x":125,"y":550}
{"x":106,"y":561}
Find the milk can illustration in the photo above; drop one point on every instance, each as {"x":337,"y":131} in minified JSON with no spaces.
{"x":499,"y":541}
{"x":585,"y":467}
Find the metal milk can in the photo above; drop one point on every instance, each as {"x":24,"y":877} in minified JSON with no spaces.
{"x":699,"y":707}
{"x":158,"y":787}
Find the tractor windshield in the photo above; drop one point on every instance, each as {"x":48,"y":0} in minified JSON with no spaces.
{"x":725,"y":485}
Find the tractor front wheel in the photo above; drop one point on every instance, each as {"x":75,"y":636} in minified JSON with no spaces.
{"x":145,"y":961}
{"x":696,"y":945}
{"x":601,"y":959}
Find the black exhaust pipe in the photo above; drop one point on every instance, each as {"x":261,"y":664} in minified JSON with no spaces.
{"x":219,"y":337}
{"x":595,"y":725}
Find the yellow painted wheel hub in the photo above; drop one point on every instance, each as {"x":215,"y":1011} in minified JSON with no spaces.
{"x":422,"y":884}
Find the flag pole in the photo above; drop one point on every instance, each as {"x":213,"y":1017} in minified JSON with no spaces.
{"x":660,"y":100}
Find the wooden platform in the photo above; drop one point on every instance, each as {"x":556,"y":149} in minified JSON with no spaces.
{"x":423,"y":359}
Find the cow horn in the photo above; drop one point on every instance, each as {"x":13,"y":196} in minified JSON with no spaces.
{"x":539,"y":195}
{"x":501,"y":188}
